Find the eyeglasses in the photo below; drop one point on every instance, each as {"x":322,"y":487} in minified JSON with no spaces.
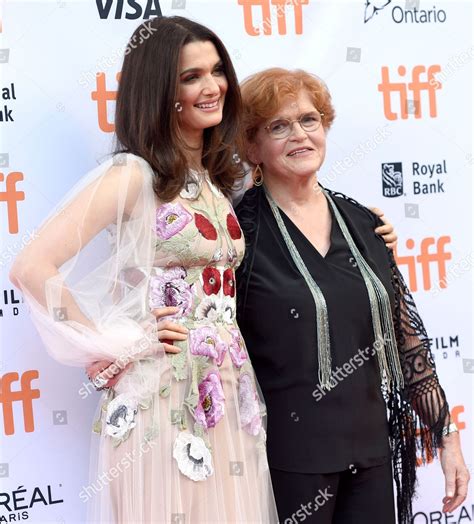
{"x":283,"y":127}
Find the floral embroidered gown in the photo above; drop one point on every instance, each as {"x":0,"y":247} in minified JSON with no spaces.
{"x":192,"y":450}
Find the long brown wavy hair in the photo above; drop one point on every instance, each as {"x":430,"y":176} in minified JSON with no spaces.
{"x":146,"y":122}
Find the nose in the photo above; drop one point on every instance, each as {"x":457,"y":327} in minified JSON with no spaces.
{"x":297,"y":132}
{"x":211,"y":86}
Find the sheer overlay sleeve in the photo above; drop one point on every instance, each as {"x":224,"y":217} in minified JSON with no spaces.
{"x":92,"y":303}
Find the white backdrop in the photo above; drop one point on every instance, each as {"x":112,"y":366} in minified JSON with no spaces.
{"x":409,"y":136}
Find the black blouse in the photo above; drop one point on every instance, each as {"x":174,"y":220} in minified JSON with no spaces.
{"x":311,"y":430}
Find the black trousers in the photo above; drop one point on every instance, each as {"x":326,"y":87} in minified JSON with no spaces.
{"x":354,"y":496}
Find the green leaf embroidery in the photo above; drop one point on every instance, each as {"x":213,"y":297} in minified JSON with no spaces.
{"x":178,"y":361}
{"x":151,"y":433}
{"x":97,"y":426}
{"x":165,"y":391}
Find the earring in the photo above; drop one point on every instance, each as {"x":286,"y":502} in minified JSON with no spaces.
{"x":257,"y":176}
{"x":178,"y":107}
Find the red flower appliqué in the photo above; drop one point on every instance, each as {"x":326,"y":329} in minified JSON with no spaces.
{"x":229,"y":282}
{"x":233,"y":227}
{"x":211,"y":281}
{"x":206,"y":229}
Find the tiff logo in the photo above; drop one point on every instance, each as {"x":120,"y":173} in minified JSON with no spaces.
{"x":438,"y":257}
{"x":412,"y":104}
{"x":11,"y":196}
{"x":25,"y":395}
{"x":264,"y":8}
{"x":102,"y":95}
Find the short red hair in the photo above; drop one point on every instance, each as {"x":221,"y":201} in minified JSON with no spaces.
{"x":265,"y":92}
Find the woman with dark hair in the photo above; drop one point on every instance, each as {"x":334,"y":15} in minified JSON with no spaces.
{"x":180,"y":438}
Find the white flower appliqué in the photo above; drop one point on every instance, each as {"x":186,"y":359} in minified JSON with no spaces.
{"x":121,"y":414}
{"x":193,"y":458}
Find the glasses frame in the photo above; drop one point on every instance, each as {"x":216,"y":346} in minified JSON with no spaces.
{"x":291,"y":124}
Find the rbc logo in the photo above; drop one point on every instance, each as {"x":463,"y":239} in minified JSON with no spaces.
{"x":392,"y":179}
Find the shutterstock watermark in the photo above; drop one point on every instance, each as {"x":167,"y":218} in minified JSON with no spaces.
{"x":146,"y":346}
{"x":106,"y":62}
{"x":455,"y":63}
{"x":10,"y":252}
{"x":353,"y":364}
{"x":311,"y":507}
{"x":339,"y":167}
{"x":106,"y":477}
{"x":454,"y":272}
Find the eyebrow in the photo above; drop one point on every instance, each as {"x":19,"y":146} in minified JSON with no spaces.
{"x":280,"y":117}
{"x":199,"y":69}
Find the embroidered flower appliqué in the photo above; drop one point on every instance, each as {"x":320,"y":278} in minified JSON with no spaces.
{"x":205,"y":341}
{"x":171,"y":219}
{"x":233,"y":227}
{"x":120,"y":418}
{"x":249,"y":406}
{"x":204,"y":226}
{"x":210,"y":408}
{"x":169,"y":288}
{"x":192,"y":187}
{"x":193,"y":458}
{"x":236,"y":349}
{"x":208,"y":309}
{"x":229,"y":282}
{"x":211,"y":281}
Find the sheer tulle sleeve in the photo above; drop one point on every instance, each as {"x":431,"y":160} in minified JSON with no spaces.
{"x":94,"y":306}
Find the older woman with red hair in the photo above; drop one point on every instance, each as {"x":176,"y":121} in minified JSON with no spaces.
{"x":331,"y":328}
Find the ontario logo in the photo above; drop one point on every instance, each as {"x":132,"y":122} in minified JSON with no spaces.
{"x":392,"y":179}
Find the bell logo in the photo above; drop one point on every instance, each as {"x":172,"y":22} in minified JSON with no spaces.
{"x":25,"y":395}
{"x":427,"y":257}
{"x":416,"y":87}
{"x":11,"y":196}
{"x":266,"y":12}
{"x":102,"y":96}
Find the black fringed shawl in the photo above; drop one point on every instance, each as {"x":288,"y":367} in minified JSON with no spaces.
{"x":418,"y":413}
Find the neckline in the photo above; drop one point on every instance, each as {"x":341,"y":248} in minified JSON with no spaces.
{"x":305,"y":239}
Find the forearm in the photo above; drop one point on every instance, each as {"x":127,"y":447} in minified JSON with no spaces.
{"x":32,"y":279}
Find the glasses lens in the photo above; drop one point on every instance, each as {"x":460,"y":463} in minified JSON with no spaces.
{"x":279,"y":128}
{"x":310,"y":122}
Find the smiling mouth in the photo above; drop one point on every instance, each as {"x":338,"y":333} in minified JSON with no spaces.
{"x":300,"y":151}
{"x":207,"y":105}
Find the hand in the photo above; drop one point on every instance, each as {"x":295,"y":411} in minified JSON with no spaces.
{"x":387,"y":231}
{"x":168,"y":331}
{"x":114,"y":371}
{"x":455,"y":472}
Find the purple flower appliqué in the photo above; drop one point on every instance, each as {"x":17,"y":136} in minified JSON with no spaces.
{"x":171,"y":219}
{"x":210,"y":408}
{"x":205,"y":341}
{"x":236,"y":349}
{"x":250,"y":418}
{"x":169,"y":288}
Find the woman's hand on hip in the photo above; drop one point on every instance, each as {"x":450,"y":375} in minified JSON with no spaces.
{"x":169,"y":331}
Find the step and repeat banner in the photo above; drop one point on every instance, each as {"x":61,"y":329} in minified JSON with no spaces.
{"x":400,"y":74}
